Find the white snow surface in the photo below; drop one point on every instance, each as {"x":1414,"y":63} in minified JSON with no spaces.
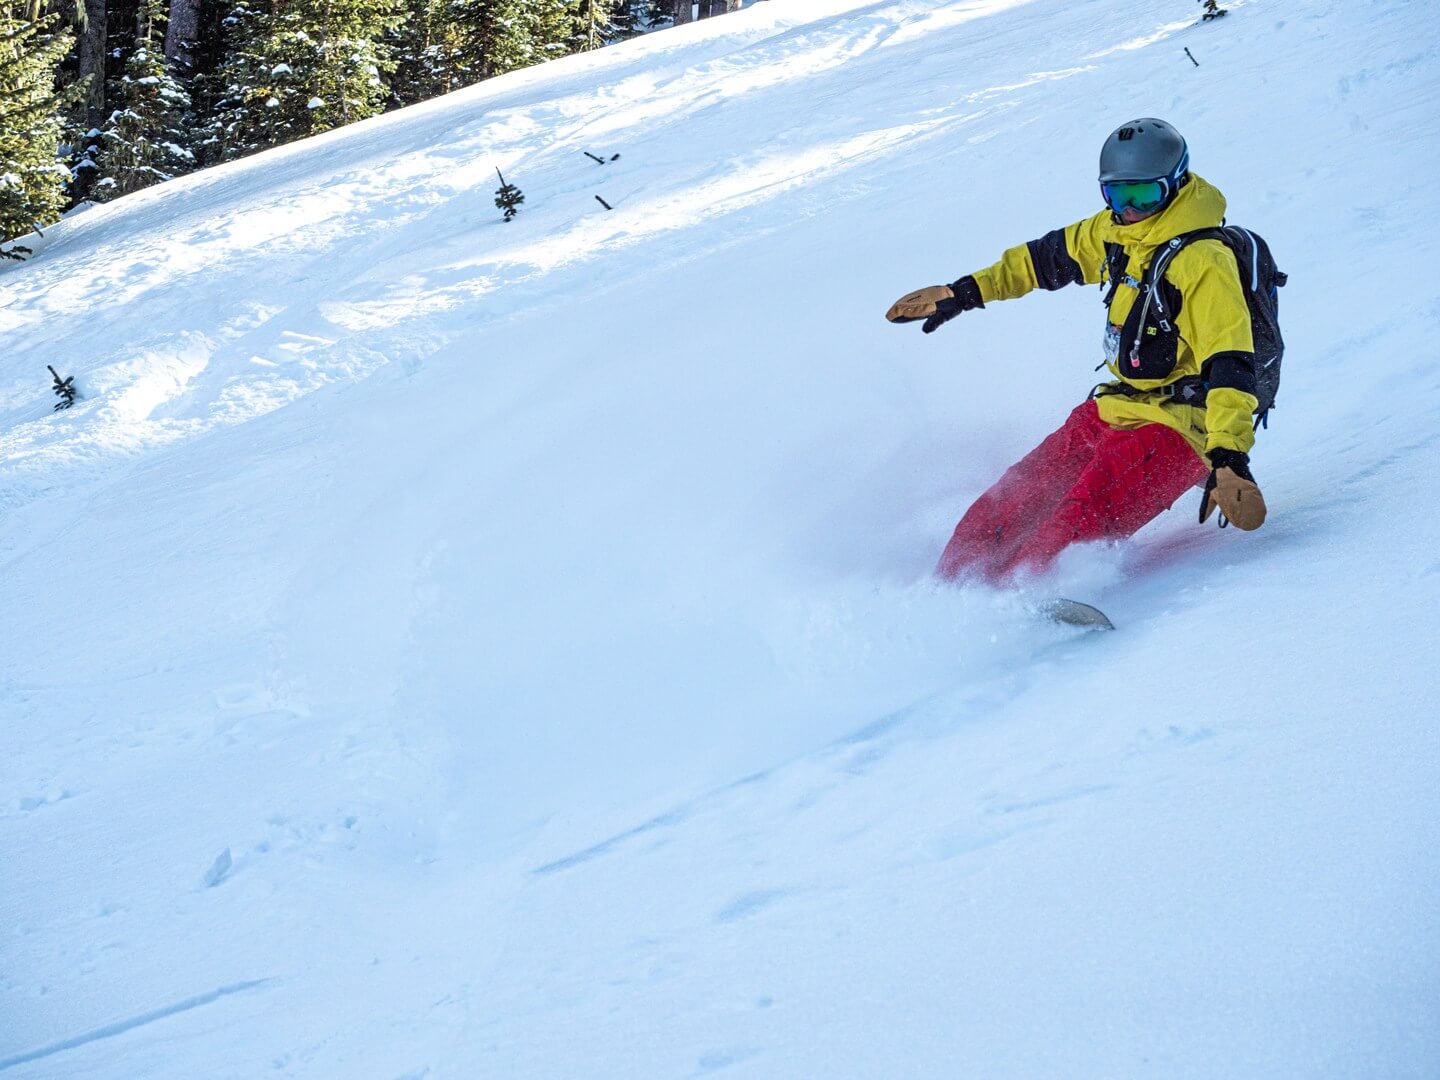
{"x":441,"y":647}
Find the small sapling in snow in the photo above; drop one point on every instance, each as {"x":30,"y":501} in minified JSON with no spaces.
{"x":19,"y":252}
{"x":508,"y":198}
{"x":64,"y":390}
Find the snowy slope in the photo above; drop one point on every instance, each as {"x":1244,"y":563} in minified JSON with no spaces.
{"x":438,"y":647}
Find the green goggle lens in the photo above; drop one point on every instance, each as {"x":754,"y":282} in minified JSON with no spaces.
{"x":1140,"y":195}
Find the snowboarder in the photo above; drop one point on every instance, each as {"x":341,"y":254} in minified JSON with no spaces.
{"x":1178,"y":411}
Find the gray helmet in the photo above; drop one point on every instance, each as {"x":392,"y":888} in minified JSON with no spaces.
{"x":1145,"y":149}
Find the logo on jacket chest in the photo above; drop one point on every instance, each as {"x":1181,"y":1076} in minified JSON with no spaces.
{"x":1113,"y":333}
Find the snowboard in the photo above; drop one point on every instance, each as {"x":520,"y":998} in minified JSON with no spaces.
{"x":1074,"y":613}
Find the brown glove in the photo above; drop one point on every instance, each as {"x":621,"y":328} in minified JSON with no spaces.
{"x":937,"y":305}
{"x":919,"y":304}
{"x":1232,"y":489}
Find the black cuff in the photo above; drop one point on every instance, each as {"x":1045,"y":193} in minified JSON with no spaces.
{"x":1233,"y":460}
{"x":967,"y":293}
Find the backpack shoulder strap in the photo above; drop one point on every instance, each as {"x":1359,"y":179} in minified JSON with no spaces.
{"x":1174,"y":246}
{"x":1155,"y":272}
{"x":1115,"y":263}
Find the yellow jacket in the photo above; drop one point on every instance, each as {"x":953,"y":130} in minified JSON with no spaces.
{"x":1211,"y":335}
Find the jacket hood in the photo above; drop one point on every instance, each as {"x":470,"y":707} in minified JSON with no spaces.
{"x":1199,"y":205}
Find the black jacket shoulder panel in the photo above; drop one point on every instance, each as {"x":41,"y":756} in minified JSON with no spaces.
{"x":1232,"y":369}
{"x":1054,"y":266}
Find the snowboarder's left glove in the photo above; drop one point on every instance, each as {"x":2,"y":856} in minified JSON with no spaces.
{"x":1232,"y":489}
{"x":937,"y":305}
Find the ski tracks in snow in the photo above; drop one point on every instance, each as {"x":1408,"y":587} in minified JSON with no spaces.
{"x":746,"y":868}
{"x":302,"y":302}
{"x":121,"y":1027}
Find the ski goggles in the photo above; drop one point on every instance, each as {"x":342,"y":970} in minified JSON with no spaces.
{"x":1141,"y":196}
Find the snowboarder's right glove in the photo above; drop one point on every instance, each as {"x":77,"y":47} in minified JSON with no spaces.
{"x":1233,"y":490}
{"x":937,"y":305}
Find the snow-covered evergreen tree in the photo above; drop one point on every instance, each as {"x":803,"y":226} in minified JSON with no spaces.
{"x":634,"y":17}
{"x":447,"y":44}
{"x":484,"y":38}
{"x":300,"y":69}
{"x":417,"y":48}
{"x":32,"y":179}
{"x":596,"y":25}
{"x":143,"y":141}
{"x":251,"y":74}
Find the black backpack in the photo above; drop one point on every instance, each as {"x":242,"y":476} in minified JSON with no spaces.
{"x":1261,"y":280}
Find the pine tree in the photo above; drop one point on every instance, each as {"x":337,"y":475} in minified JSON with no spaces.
{"x":229,"y":125}
{"x":595,"y":24}
{"x":215,"y":37}
{"x":485,"y":38}
{"x":553,"y":28}
{"x":490,"y":37}
{"x":301,"y":69}
{"x":143,"y":141}
{"x":508,"y":197}
{"x":659,"y":13}
{"x":32,"y":180}
{"x":628,"y":19}
{"x":64,"y":389}
{"x":418,"y":49}
{"x":634,"y":17}
{"x":443,"y":45}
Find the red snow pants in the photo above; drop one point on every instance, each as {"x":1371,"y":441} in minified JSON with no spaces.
{"x":1086,"y":481}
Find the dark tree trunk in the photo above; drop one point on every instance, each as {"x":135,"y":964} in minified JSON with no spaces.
{"x":182,"y":33}
{"x":682,"y":11}
{"x":92,"y":61}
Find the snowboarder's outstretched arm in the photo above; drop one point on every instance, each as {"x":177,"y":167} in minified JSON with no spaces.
{"x":1067,"y":256}
{"x":1074,"y":255}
